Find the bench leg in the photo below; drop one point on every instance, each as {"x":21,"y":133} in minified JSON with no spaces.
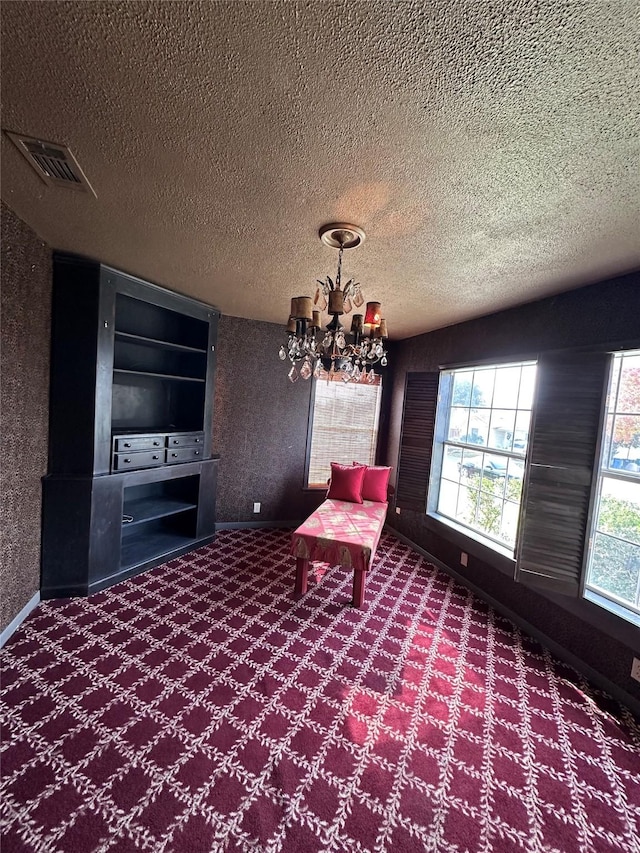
{"x":302,"y":573}
{"x":358,"y":587}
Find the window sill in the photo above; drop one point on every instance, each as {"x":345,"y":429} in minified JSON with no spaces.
{"x":617,"y":609}
{"x":475,"y":544}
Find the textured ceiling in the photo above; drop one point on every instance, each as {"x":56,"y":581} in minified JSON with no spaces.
{"x":490,"y":150}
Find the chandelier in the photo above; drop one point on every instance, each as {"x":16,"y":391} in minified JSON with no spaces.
{"x":318,"y":352}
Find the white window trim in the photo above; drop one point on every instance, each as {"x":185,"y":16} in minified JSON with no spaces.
{"x":590,"y":592}
{"x":441,"y":442}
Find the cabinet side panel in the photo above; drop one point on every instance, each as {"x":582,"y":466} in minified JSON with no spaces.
{"x":207,"y":499}
{"x":73,"y":369}
{"x":209,"y":399}
{"x":66,"y":534}
{"x":104,"y":374}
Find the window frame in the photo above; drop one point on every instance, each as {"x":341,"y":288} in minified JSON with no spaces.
{"x":456,"y":539}
{"x":440,"y":442}
{"x":602,"y":472}
{"x":316,"y":487}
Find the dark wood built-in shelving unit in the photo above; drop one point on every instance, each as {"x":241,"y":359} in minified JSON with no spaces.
{"x":131,"y":480}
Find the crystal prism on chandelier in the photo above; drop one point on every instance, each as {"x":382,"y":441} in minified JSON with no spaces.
{"x":352,"y":355}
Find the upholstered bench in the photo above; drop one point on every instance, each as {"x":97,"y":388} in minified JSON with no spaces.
{"x":345,"y":529}
{"x":339,"y":533}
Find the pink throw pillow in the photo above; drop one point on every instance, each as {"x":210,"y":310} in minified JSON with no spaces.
{"x":375,"y":483}
{"x":346,"y":482}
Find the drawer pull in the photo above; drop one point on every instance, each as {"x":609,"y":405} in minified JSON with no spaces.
{"x":155,"y":456}
{"x":196,"y":453}
{"x":176,"y":441}
{"x":156,"y":444}
{"x":127,"y":444}
{"x":127,"y":460}
{"x":174,"y":455}
{"x":197,"y":441}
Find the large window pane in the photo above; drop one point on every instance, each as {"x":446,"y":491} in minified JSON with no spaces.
{"x":458,"y":423}
{"x":629,"y":393}
{"x":614,"y":559}
{"x":478,"y":431}
{"x":505,"y":395}
{"x":615,"y":568}
{"x":489,"y":409}
{"x":626,"y":442}
{"x":501,"y":428}
{"x":521,"y":431}
{"x":448,"y":498}
{"x":482,"y":394}
{"x":462,"y":385}
{"x":527,"y":386}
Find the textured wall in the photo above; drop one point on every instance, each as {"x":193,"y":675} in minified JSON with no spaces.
{"x":25,"y":321}
{"x":602,"y":313}
{"x":260,"y":427}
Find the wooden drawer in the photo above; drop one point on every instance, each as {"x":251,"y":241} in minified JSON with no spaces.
{"x":185,"y":439}
{"x":138,"y":459}
{"x":126,"y":443}
{"x":183,"y":454}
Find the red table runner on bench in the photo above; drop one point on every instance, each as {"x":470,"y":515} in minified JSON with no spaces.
{"x":340,"y":533}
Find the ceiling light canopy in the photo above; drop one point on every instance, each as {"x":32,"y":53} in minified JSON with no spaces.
{"x":352,"y":354}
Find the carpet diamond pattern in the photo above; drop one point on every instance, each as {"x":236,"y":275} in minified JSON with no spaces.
{"x":199,"y":707}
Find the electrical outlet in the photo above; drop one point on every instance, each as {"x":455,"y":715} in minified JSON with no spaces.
{"x":397,"y":510}
{"x":464,"y":558}
{"x":256,"y":506}
{"x":635,"y":669}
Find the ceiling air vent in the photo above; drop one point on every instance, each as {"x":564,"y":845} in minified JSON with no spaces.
{"x":55,"y":163}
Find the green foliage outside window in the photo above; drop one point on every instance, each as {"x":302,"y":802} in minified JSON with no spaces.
{"x":486,"y":514}
{"x":615,"y":563}
{"x":465,"y":394}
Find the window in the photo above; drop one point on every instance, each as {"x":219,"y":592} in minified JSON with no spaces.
{"x":343,"y":426}
{"x":514,"y":464}
{"x":613,"y":568}
{"x":482,"y":432}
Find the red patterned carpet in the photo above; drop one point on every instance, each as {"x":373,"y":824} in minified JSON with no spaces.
{"x":198,"y":707}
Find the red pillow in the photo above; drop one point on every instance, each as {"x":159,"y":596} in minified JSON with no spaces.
{"x":346,"y":482}
{"x":375,"y":483}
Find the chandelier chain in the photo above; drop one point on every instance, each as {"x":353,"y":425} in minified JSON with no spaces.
{"x":338,"y":276}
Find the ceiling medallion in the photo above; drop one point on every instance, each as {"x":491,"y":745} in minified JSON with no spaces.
{"x":333,"y":352}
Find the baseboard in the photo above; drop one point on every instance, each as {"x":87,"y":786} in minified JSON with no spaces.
{"x":559,"y":651}
{"x":243,"y":525}
{"x":19,"y":619}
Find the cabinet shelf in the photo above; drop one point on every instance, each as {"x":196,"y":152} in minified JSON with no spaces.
{"x":141,"y":340}
{"x":150,"y":509}
{"x":117,"y":371}
{"x":139,"y":547}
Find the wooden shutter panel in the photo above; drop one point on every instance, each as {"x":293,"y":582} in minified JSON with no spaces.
{"x":556,"y":504}
{"x":416,"y":443}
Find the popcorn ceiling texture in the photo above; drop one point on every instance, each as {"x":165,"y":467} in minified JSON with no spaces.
{"x":490,"y":150}
{"x":24,"y":398}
